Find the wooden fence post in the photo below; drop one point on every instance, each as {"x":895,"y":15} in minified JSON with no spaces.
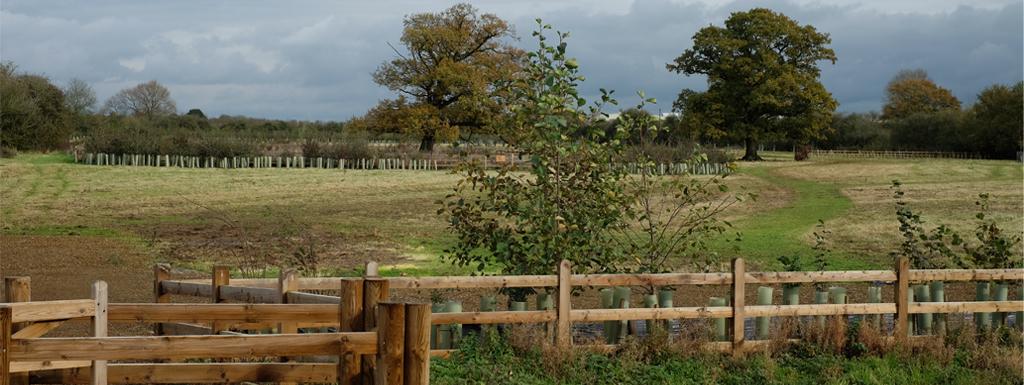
{"x":288,"y":281}
{"x":417,"y":344}
{"x":161,"y":272}
{"x":563,"y":322}
{"x":99,"y":329}
{"x":901,"y":329}
{"x":375,"y":291}
{"x":350,"y":318}
{"x":18,"y":289}
{"x":221,"y":277}
{"x":5,"y":342}
{"x":738,"y":291}
{"x":390,"y":344}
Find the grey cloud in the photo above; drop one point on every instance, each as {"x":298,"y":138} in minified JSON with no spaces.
{"x":313,"y":60}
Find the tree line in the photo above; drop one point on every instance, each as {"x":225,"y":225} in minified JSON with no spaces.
{"x":456,"y":73}
{"x":920,"y":115}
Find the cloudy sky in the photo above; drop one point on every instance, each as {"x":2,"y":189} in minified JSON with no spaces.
{"x":313,"y":59}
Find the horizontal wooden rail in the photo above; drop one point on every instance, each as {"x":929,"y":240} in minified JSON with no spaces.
{"x":495,"y":317}
{"x":177,"y":373}
{"x":472,"y":282}
{"x":182,"y":347}
{"x":194,"y":289}
{"x":205,"y":312}
{"x":667,"y":279}
{"x":592,"y":315}
{"x":965,"y":307}
{"x":824,"y":309}
{"x":820,"y":276}
{"x":21,"y":367}
{"x":51,"y":310}
{"x":242,"y":289}
{"x":247,"y":282}
{"x":249,"y":294}
{"x":298,"y":297}
{"x":967,"y":274}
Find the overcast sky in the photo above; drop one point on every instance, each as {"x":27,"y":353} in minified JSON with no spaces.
{"x":313,"y":59}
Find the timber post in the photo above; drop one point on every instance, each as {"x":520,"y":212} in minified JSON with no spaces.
{"x":390,"y":344}
{"x":901,"y":328}
{"x":350,"y":317}
{"x":738,"y":291}
{"x":161,"y":272}
{"x":375,"y":291}
{"x":18,"y":289}
{"x":221,"y":277}
{"x":417,"y":344}
{"x":563,"y":322}
{"x":99,"y":329}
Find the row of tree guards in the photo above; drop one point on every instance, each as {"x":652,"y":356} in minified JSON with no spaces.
{"x":896,"y":154}
{"x":447,"y":336}
{"x":301,"y":162}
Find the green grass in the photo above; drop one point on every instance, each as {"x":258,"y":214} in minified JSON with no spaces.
{"x":495,"y":363}
{"x":390,"y":216}
{"x":784,"y":230}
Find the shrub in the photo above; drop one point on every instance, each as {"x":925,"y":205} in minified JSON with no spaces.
{"x":33,"y":115}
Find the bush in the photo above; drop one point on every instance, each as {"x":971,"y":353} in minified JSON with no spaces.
{"x":32,"y":112}
{"x":7,"y":152}
{"x":347,"y":148}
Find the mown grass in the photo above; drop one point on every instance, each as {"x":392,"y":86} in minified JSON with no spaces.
{"x":199,"y":217}
{"x":783,"y":231}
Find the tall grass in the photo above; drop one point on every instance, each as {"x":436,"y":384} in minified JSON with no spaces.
{"x":837,"y":353}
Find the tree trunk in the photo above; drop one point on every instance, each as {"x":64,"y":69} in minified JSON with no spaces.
{"x":751,"y":150}
{"x":427,"y":143}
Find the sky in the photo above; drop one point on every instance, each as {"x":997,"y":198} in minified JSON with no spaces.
{"x":313,"y":60}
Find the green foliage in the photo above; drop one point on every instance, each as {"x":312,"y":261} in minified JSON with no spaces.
{"x":490,"y":360}
{"x":992,"y":127}
{"x":912,"y":92}
{"x":451,"y":80}
{"x":859,"y":131}
{"x":571,"y":195}
{"x":33,"y":115}
{"x":762,"y":79}
{"x":659,"y":232}
{"x":822,"y":253}
{"x":946,"y":130}
{"x":996,"y":249}
{"x":998,"y":119}
{"x":926,"y":249}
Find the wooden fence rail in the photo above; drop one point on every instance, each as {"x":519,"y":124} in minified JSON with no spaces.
{"x":84,"y":359}
{"x":374,"y":338}
{"x":564,"y":315}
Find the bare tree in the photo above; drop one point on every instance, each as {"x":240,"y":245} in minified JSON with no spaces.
{"x":148,"y":99}
{"x":79,"y":96}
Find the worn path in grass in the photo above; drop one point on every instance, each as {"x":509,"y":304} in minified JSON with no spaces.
{"x":786,"y":230}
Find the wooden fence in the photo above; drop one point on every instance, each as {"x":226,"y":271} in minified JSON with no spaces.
{"x":301,"y":162}
{"x":286,"y":305}
{"x":395,"y":350}
{"x":894,"y":154}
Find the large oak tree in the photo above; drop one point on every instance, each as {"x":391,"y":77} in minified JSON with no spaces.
{"x":911,"y":92}
{"x":451,"y":77}
{"x":762,"y":75}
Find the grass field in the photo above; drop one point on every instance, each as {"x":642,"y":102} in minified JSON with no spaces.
{"x":61,"y":221}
